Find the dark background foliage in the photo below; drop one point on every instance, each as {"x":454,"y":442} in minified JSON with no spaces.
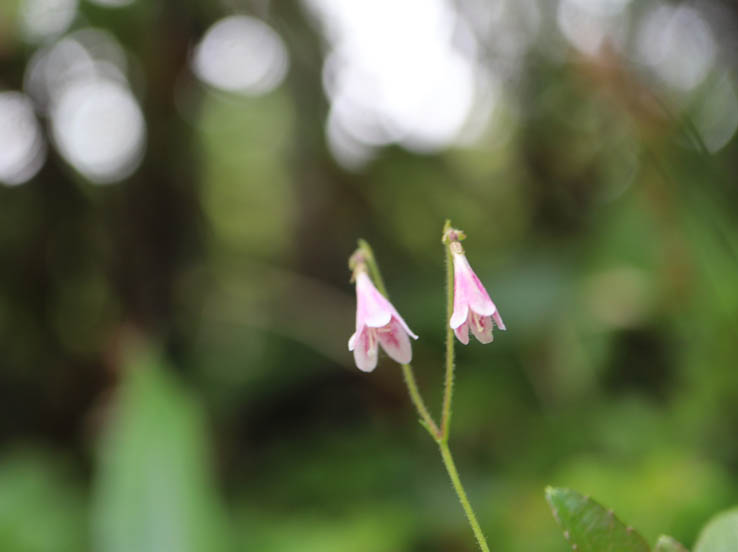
{"x":173,"y":363}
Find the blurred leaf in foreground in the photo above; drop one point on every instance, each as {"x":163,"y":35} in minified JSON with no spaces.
{"x":589,"y":526}
{"x":720,"y":534}
{"x":154,"y":490}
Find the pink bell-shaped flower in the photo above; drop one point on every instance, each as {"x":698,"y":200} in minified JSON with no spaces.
{"x":472,"y":306}
{"x":377,"y":323}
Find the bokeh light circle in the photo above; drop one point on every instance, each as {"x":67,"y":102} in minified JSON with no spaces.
{"x":241,"y":54}
{"x":42,"y":19}
{"x":85,"y":54}
{"x":22,"y":146}
{"x":678,"y":44}
{"x":99,"y":128}
{"x":410,"y":79}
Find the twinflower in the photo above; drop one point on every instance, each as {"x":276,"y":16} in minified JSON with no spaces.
{"x":473,"y":309}
{"x":377,"y":323}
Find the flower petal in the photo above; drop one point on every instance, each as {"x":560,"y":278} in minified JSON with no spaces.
{"x":461,"y":306}
{"x":372,"y":308}
{"x":365,"y":353}
{"x":460,"y":314}
{"x":462,"y":332}
{"x":474,"y":293}
{"x":396,"y":315}
{"x":481,"y":327}
{"x":395,"y":342}
{"x":498,"y":320}
{"x":352,"y":341}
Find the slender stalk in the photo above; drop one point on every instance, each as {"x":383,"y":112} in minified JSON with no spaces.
{"x":373,"y":267}
{"x":426,"y":419}
{"x":448,"y":390}
{"x":440,"y":436}
{"x":448,"y":393}
{"x":448,"y":461}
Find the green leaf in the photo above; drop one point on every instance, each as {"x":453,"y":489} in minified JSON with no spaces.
{"x":720,"y":534}
{"x":42,"y":504}
{"x":589,"y":526}
{"x":154,"y":490}
{"x":669,"y":544}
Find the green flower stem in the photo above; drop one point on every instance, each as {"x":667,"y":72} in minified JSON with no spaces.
{"x":448,"y":391}
{"x":373,"y":267}
{"x":448,"y":394}
{"x":448,"y":461}
{"x":425,"y":418}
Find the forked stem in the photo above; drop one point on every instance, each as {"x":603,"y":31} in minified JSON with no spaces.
{"x":440,"y":435}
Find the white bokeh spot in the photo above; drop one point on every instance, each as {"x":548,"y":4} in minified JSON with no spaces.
{"x":86,"y":54}
{"x":410,"y":78}
{"x":44,"y":19}
{"x":590,"y":24}
{"x":678,"y":45}
{"x":99,"y":128}
{"x":22,"y":146}
{"x":241,"y":54}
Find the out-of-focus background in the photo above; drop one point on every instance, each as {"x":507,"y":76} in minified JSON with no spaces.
{"x":182,"y":181}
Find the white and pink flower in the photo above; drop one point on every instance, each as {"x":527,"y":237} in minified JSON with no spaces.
{"x":472,"y":306}
{"x":377,"y":323}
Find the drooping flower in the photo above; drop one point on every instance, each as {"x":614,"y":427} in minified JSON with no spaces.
{"x":377,"y":323}
{"x":473,"y":309}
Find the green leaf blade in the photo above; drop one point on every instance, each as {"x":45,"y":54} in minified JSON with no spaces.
{"x":154,"y":490}
{"x":720,"y":534}
{"x":589,"y":526}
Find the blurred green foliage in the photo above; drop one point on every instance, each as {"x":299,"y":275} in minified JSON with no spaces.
{"x":608,"y":242}
{"x":720,"y":535}
{"x":154,"y":489}
{"x":42,"y":504}
{"x":668,"y":544}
